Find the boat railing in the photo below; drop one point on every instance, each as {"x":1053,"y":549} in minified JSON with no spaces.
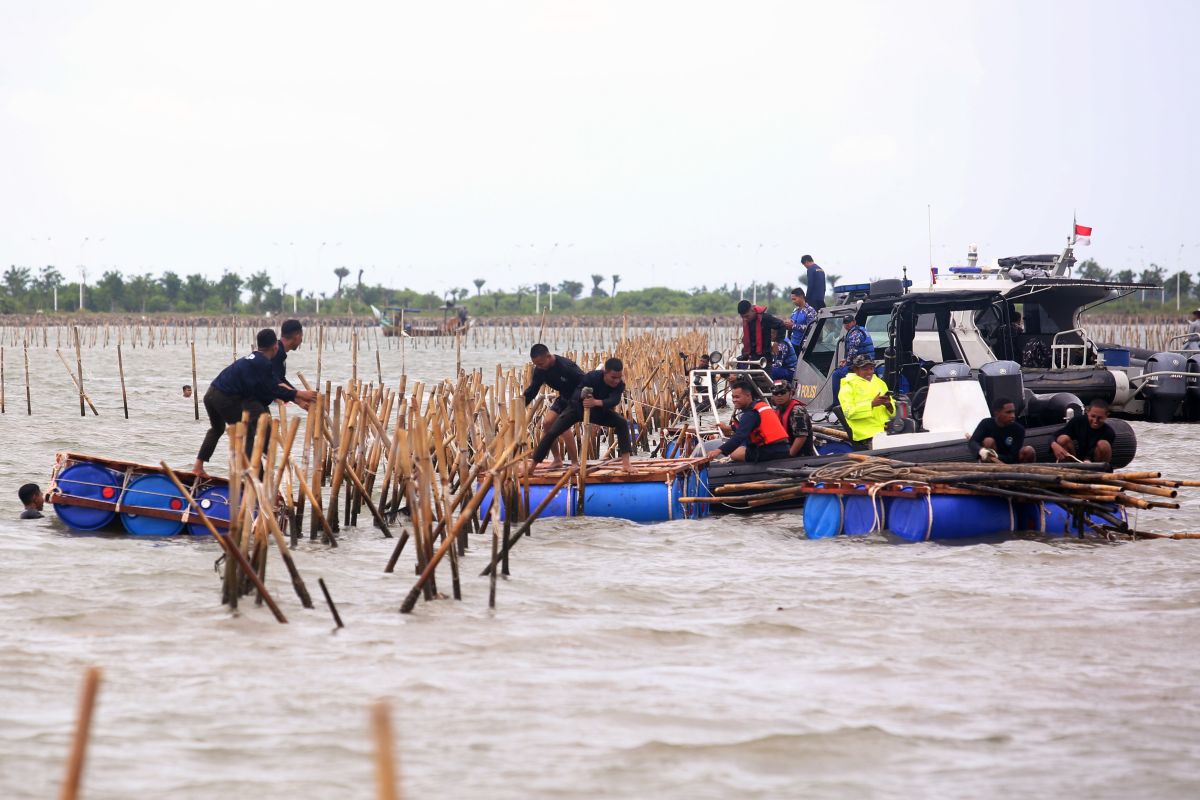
{"x":1184,"y":338}
{"x":1060,"y":352}
{"x":707,"y":388}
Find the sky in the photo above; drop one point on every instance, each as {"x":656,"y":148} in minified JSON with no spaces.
{"x":673,"y":143}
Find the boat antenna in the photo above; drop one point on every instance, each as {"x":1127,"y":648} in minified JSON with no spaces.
{"x":929,"y":225}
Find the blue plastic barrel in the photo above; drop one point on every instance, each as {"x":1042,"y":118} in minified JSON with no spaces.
{"x":152,"y":491}
{"x":644,"y":501}
{"x":90,"y":481}
{"x":563,"y":504}
{"x":834,"y":448}
{"x":1053,"y":519}
{"x":954,"y":517}
{"x":862,"y":515}
{"x":822,"y":516}
{"x":214,"y":502}
{"x":1115,"y":356}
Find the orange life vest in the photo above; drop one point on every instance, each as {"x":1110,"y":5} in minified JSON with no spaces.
{"x":784,"y":413}
{"x":770,"y":430}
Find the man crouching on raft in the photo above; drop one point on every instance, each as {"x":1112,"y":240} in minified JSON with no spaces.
{"x":600,"y":391}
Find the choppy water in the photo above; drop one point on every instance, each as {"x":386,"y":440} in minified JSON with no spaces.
{"x":725,"y":658}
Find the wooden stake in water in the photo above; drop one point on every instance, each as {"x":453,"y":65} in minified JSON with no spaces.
{"x":1,"y":380}
{"x":121,"y":372}
{"x":79,"y":366}
{"x":83,"y":726}
{"x":28,"y":401}
{"x":195,"y":384}
{"x":385,"y":749}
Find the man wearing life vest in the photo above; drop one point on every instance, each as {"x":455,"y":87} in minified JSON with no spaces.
{"x":866,"y":405}
{"x":760,"y":436}
{"x":760,"y":331}
{"x":795,"y":419}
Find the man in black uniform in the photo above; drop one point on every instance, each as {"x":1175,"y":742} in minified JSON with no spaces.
{"x":1002,"y":435}
{"x":1087,"y":436}
{"x":291,"y":336}
{"x":562,"y":375}
{"x":248,"y":384}
{"x":604,"y":389}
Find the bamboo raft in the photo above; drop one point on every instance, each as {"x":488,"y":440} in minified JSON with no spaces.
{"x":863,"y":494}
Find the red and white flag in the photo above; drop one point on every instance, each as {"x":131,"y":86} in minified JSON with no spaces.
{"x":1083,"y":234}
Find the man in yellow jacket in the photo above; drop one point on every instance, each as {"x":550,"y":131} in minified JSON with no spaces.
{"x":865,"y":403}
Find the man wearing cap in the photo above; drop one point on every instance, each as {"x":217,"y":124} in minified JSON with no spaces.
{"x":795,"y":419}
{"x":248,"y":384}
{"x":866,"y":405}
{"x":802,"y":317}
{"x":760,"y":331}
{"x":783,"y":362}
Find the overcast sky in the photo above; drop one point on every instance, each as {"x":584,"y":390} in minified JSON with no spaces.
{"x":680,"y":143}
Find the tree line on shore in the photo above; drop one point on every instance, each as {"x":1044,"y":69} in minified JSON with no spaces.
{"x":28,"y":291}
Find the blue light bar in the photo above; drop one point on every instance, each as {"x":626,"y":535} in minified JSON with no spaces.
{"x":852,"y":287}
{"x":967,"y":270}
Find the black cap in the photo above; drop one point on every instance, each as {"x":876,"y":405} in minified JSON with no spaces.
{"x":781,"y":387}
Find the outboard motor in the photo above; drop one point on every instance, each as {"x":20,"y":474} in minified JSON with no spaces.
{"x":1051,"y":409}
{"x":1164,"y":392}
{"x":1191,"y":404}
{"x":1003,"y":379}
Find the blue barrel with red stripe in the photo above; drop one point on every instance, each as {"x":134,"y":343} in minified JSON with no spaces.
{"x":91,"y":482}
{"x":152,"y":491}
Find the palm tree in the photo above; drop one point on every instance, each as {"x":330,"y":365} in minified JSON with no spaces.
{"x":341,"y":273}
{"x":616,"y":279}
{"x":596,"y":281}
{"x":479,"y":282}
{"x":259,"y":283}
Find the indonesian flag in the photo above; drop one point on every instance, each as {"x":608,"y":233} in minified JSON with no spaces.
{"x":1083,"y":234}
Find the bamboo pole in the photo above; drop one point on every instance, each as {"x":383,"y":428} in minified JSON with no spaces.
{"x":226,"y":541}
{"x":28,"y":400}
{"x":195,"y":383}
{"x":83,"y":727}
{"x":121,"y":372}
{"x":82,"y":394}
{"x":79,"y":365}
{"x":385,"y":748}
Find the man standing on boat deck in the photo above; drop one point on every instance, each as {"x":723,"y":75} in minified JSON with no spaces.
{"x":1001,"y":435}
{"x":759,"y":436}
{"x":866,"y":404}
{"x":248,"y":384}
{"x":291,"y":336}
{"x":802,"y":317}
{"x":1086,"y":436}
{"x":760,"y":331}
{"x":815,"y":279}
{"x":600,"y":390}
{"x":563,"y":375}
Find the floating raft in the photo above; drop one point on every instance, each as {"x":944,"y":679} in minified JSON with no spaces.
{"x":649,"y":492}
{"x":941,"y":501}
{"x":93,"y":493}
{"x":942,"y":513}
